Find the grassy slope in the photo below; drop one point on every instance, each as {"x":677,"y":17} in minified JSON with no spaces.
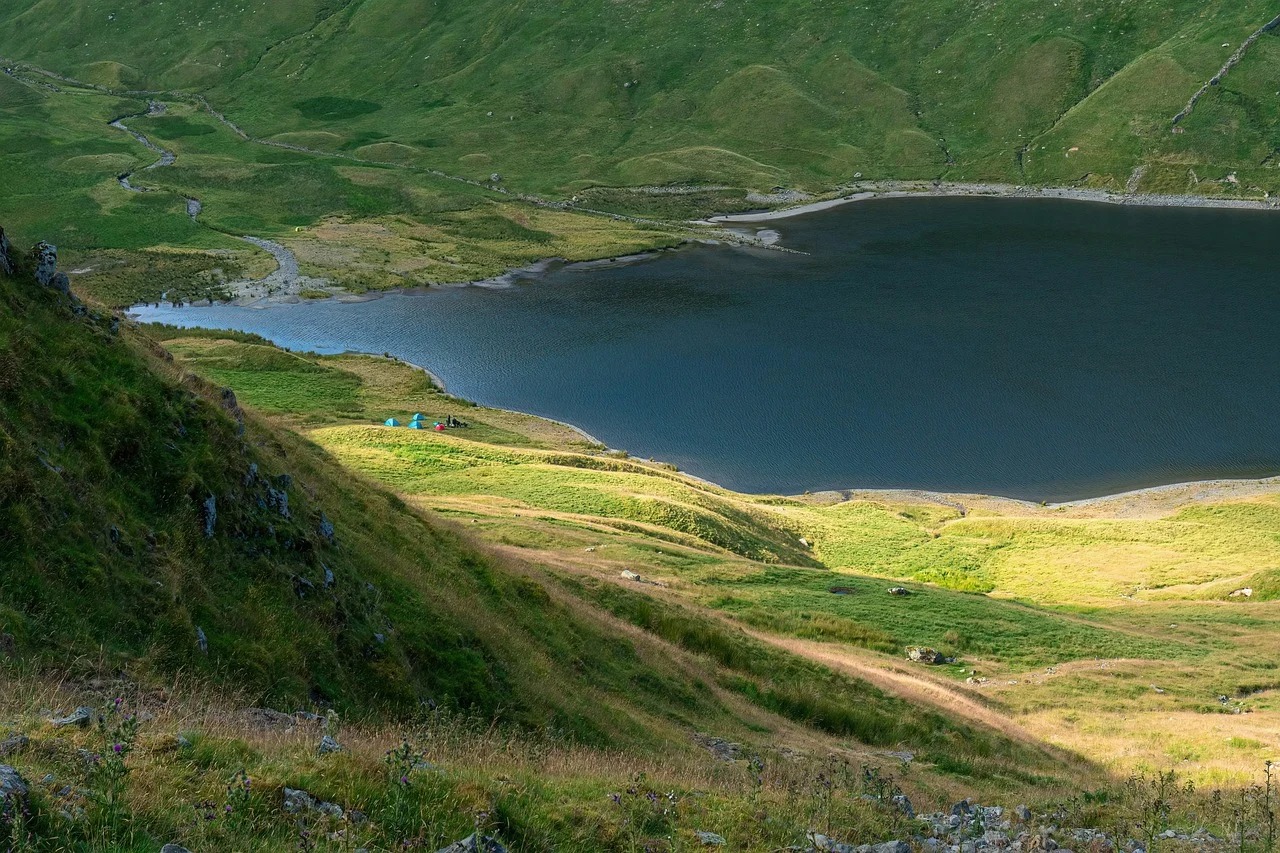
{"x":749,"y":94}
{"x":1086,"y":609}
{"x":110,"y":448}
{"x":361,"y":225}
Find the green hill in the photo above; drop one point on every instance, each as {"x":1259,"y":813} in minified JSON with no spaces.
{"x":804,"y":93}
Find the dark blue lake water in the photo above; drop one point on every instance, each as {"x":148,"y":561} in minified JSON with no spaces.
{"x":1040,"y":349}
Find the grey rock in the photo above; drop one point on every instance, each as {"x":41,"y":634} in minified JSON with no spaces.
{"x":924,"y":654}
{"x":964,"y":808}
{"x":202,"y":642}
{"x":710,"y":839}
{"x":326,"y":529}
{"x":62,"y":284}
{"x":174,"y":848}
{"x":278,"y":500}
{"x":329,"y":579}
{"x":45,"y":257}
{"x":719,"y":747}
{"x":183,"y":742}
{"x":6,"y":255}
{"x":1023,"y":813}
{"x":899,"y":590}
{"x":629,"y":575}
{"x":904,"y":805}
{"x":209,"y":515}
{"x":891,"y":847}
{"x":826,"y":844}
{"x":474,"y":844}
{"x":14,"y":743}
{"x":12,"y":785}
{"x":81,"y":717}
{"x":329,"y":746}
{"x":297,"y":802}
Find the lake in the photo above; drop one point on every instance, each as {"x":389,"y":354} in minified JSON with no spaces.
{"x":1032,"y":348}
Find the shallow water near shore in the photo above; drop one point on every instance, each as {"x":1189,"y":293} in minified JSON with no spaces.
{"x":1039,"y":349}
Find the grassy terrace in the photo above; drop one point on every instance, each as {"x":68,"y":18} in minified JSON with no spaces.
{"x":1073,"y":616}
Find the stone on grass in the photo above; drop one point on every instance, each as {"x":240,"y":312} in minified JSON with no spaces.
{"x":899,"y":590}
{"x":629,"y":575}
{"x":12,"y":785}
{"x":475,"y":844}
{"x":328,"y":745}
{"x":710,"y":839}
{"x":15,"y":742}
{"x":174,"y":848}
{"x":81,"y":717}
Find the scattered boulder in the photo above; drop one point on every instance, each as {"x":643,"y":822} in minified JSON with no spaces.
{"x":328,"y":745}
{"x":80,"y":717}
{"x":14,"y":743}
{"x":899,"y":590}
{"x":202,"y":642}
{"x":174,"y":848}
{"x":329,"y":579}
{"x":1243,"y":592}
{"x":232,"y":406}
{"x":12,"y":785}
{"x":710,"y":839}
{"x":924,"y":654}
{"x":1023,"y":813}
{"x":475,"y":843}
{"x":629,"y":575}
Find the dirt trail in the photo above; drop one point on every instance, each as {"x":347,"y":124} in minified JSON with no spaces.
{"x":918,"y":689}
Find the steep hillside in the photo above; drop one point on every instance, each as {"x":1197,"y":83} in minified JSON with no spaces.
{"x":805,"y":93}
{"x":1112,"y":627}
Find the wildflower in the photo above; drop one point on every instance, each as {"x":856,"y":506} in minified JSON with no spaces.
{"x":117,"y":748}
{"x":404,"y":780}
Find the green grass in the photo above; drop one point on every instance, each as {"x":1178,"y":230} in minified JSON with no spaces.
{"x":1119,"y":598}
{"x":798,"y":93}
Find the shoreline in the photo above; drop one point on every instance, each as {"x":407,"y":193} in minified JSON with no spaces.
{"x":1179,"y":493}
{"x":870,"y":190}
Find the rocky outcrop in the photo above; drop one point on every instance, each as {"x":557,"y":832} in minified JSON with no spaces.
{"x":6,"y":255}
{"x":44,"y":257}
{"x":328,"y":745}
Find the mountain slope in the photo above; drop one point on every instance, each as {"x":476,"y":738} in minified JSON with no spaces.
{"x":803,"y":93}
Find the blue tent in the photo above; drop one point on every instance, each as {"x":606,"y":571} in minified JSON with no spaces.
{"x":416,"y":425}
{"x":391,"y":422}
{"x":418,"y":417}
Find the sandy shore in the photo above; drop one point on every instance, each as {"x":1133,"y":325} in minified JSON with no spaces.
{"x":921,"y":189}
